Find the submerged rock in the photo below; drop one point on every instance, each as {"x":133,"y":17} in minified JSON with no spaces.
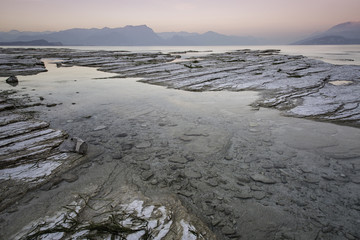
{"x":101,"y":127}
{"x":262,"y":178}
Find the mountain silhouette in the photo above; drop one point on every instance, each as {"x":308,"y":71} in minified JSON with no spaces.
{"x":128,"y":36}
{"x":344,"y":33}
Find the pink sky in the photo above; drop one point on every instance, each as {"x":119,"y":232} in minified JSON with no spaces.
{"x":236,"y":17}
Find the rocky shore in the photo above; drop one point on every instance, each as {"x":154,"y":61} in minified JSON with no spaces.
{"x":297,"y":85}
{"x":231,"y":172}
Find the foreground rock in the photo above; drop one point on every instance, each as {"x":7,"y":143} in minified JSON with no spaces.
{"x":29,"y":153}
{"x":15,"y":62}
{"x":100,"y":213}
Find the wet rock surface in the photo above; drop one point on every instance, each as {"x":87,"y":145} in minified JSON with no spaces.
{"x":29,"y":151}
{"x":238,"y":174}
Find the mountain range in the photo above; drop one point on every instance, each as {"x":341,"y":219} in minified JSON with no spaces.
{"x":126,"y":36}
{"x":345,"y":33}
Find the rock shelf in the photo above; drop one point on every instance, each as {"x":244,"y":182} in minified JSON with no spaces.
{"x":29,"y":153}
{"x":297,"y":85}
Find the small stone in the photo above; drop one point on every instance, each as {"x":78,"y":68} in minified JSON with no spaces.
{"x":46,"y":187}
{"x":305,"y":169}
{"x":154,"y":182}
{"x":74,"y":145}
{"x":311,"y":179}
{"x":228,"y":158}
{"x":349,"y":236}
{"x":127,"y":146}
{"x":227,"y":230}
{"x":259,"y":195}
{"x":195,"y":133}
{"x":98,"y":128}
{"x":141,"y":158}
{"x":355,"y":179}
{"x":146,"y":175}
{"x":193,"y":174}
{"x":42,"y":98}
{"x":263,"y":179}
{"x":283,"y":179}
{"x":267,"y":166}
{"x":143,"y":145}
{"x":12,"y":210}
{"x":190,"y":157}
{"x":176,"y":167}
{"x":12,"y":80}
{"x":279,"y":165}
{"x":253,"y":130}
{"x":186,"y":138}
{"x":178,"y":159}
{"x":256,"y":188}
{"x":215,"y":221}
{"x":253,"y":124}
{"x":68,"y":145}
{"x":212,"y":182}
{"x":328,"y":177}
{"x":301,"y":203}
{"x":69,"y":177}
{"x":51,"y":105}
{"x":122,"y":135}
{"x":243,"y":179}
{"x":327,"y":229}
{"x":81,"y":146}
{"x":186,"y":194}
{"x":117,"y":156}
{"x":243,"y":195}
{"x":220,"y":208}
{"x":144,"y":166}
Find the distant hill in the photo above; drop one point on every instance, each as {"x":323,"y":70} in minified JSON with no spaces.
{"x":127,"y":36}
{"x":344,"y":33}
{"x":208,"y":38}
{"x":40,"y":42}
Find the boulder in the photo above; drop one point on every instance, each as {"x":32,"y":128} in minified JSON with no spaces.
{"x":81,"y":146}
{"x":74,"y":144}
{"x":12,"y":80}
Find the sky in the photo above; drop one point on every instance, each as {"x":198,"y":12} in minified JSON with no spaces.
{"x":259,"y":18}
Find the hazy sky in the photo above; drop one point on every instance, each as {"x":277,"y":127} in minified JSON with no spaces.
{"x":236,"y":17}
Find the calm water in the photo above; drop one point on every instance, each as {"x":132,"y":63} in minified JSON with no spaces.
{"x":335,"y":54}
{"x":162,"y":123}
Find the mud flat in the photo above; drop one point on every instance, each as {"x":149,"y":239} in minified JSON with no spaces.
{"x":193,"y":164}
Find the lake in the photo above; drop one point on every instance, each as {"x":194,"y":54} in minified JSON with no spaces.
{"x":336,"y":54}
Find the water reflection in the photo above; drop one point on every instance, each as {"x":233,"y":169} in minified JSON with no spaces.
{"x":207,"y":147}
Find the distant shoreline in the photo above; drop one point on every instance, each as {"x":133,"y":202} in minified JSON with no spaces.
{"x":34,"y":43}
